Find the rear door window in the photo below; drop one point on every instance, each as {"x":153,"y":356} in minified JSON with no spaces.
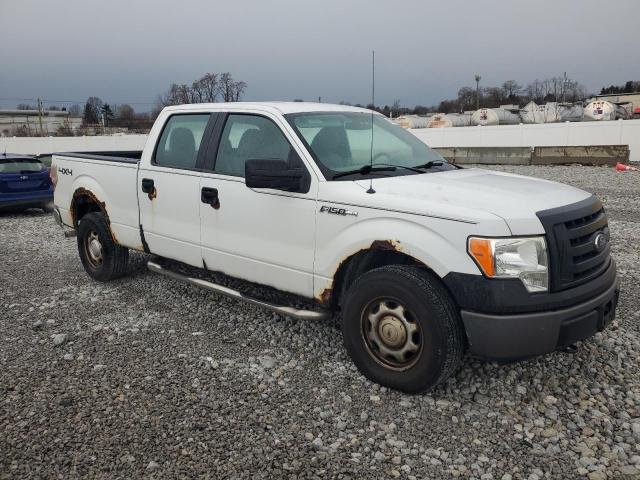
{"x":20,"y":165}
{"x":180,"y":141}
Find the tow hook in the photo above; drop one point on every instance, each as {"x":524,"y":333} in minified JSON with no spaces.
{"x":570,"y":348}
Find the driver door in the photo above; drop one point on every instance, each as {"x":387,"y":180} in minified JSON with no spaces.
{"x":262,"y":235}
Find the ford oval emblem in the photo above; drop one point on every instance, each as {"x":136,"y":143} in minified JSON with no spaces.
{"x":24,"y":177}
{"x":600,"y":242}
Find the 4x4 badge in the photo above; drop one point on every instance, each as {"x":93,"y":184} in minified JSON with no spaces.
{"x":337,"y":211}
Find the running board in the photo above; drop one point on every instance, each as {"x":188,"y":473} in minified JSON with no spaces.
{"x":229,"y":292}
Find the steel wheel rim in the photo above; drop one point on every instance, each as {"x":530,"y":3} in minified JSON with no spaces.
{"x":93,"y":248}
{"x":391,"y":334}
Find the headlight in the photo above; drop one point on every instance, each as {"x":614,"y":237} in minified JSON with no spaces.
{"x":524,"y":258}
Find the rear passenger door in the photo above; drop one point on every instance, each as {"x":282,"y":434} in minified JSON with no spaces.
{"x":266,"y":235}
{"x":169,"y":188}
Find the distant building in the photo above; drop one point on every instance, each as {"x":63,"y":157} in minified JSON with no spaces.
{"x":29,"y":122}
{"x":620,"y":98}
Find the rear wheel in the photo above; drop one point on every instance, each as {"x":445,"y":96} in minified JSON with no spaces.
{"x":101,"y":257}
{"x":402,"y":329}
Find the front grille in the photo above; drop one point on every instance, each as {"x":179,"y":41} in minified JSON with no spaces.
{"x":571,"y":239}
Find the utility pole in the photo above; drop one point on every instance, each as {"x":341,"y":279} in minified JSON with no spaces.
{"x":478,"y":78}
{"x":564,"y":86}
{"x":40,"y":117}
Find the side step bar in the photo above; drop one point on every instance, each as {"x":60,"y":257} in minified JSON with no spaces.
{"x":229,"y":292}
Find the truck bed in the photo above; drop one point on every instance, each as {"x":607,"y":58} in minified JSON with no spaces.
{"x":132,"y":156}
{"x":110,"y":178}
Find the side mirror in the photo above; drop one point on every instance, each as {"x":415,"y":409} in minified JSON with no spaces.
{"x":276,"y":174}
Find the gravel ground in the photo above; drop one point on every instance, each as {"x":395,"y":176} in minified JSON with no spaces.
{"x":146,"y":377}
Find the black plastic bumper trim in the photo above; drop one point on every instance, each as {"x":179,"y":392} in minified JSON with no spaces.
{"x":506,"y":296}
{"x":515,"y":337}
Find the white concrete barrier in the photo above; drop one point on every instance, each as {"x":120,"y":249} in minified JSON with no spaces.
{"x":101,"y":143}
{"x":618,"y":132}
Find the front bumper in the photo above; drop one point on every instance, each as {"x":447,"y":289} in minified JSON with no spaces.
{"x":519,"y":336}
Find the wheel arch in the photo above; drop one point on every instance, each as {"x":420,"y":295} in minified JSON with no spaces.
{"x":85,"y":201}
{"x":380,"y":253}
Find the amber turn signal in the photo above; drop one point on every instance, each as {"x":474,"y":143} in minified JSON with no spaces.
{"x":481,"y":249}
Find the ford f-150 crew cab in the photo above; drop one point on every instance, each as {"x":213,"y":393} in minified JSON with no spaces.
{"x":421,"y":259}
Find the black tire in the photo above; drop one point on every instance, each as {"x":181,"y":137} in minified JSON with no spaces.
{"x":434,"y":337}
{"x":106,"y":261}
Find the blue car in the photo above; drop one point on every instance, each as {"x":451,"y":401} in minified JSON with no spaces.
{"x":24,"y":183}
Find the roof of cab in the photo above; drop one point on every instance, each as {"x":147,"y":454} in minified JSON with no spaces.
{"x":276,"y":107}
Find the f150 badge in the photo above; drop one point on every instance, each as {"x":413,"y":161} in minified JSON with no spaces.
{"x":337,"y":211}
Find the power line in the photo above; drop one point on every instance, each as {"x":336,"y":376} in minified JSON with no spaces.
{"x":15,"y":99}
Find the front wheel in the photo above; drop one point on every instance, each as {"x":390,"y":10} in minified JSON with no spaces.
{"x":101,"y":257}
{"x":402,"y":329}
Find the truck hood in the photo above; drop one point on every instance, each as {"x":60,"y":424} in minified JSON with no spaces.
{"x":514,"y":198}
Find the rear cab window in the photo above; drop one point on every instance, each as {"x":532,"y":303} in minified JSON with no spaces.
{"x":180,"y":141}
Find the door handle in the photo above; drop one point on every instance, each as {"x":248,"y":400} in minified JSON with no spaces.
{"x":210,"y":197}
{"x":148,"y":186}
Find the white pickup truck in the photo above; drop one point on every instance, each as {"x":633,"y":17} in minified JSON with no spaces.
{"x":422,"y":259}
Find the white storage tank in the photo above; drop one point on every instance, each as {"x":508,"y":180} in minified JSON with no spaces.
{"x":571,"y":112}
{"x":446,"y":120}
{"x":533,"y":113}
{"x":603,"y":110}
{"x":494,"y":116}
{"x":411,"y":121}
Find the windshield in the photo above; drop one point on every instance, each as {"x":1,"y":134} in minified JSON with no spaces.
{"x":20,"y":165}
{"x":341,"y":142}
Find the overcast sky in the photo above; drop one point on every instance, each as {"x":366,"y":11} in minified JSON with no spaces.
{"x":132,"y":50}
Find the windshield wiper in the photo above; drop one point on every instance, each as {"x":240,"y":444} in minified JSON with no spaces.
{"x":364,"y":170}
{"x":413,"y":169}
{"x":430,"y":164}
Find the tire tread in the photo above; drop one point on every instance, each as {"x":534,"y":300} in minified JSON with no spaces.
{"x":430,"y":284}
{"x":117,"y":257}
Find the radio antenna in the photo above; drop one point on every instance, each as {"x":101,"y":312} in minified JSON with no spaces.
{"x":373,"y":105}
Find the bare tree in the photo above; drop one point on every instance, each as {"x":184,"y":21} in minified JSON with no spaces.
{"x":209,"y":88}
{"x":494,"y":96}
{"x":535,"y":91}
{"x":92,"y":111}
{"x":238,"y":90}
{"x":466,"y":98}
{"x":512,"y":90}
{"x":226,"y":87}
{"x":74,"y":110}
{"x":196,"y":93}
{"x":125,"y":116}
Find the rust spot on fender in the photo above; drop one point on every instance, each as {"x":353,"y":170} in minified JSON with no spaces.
{"x":83,"y":192}
{"x":386,"y":245}
{"x":325,"y":296}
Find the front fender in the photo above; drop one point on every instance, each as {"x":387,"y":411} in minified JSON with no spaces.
{"x":439,"y":244}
